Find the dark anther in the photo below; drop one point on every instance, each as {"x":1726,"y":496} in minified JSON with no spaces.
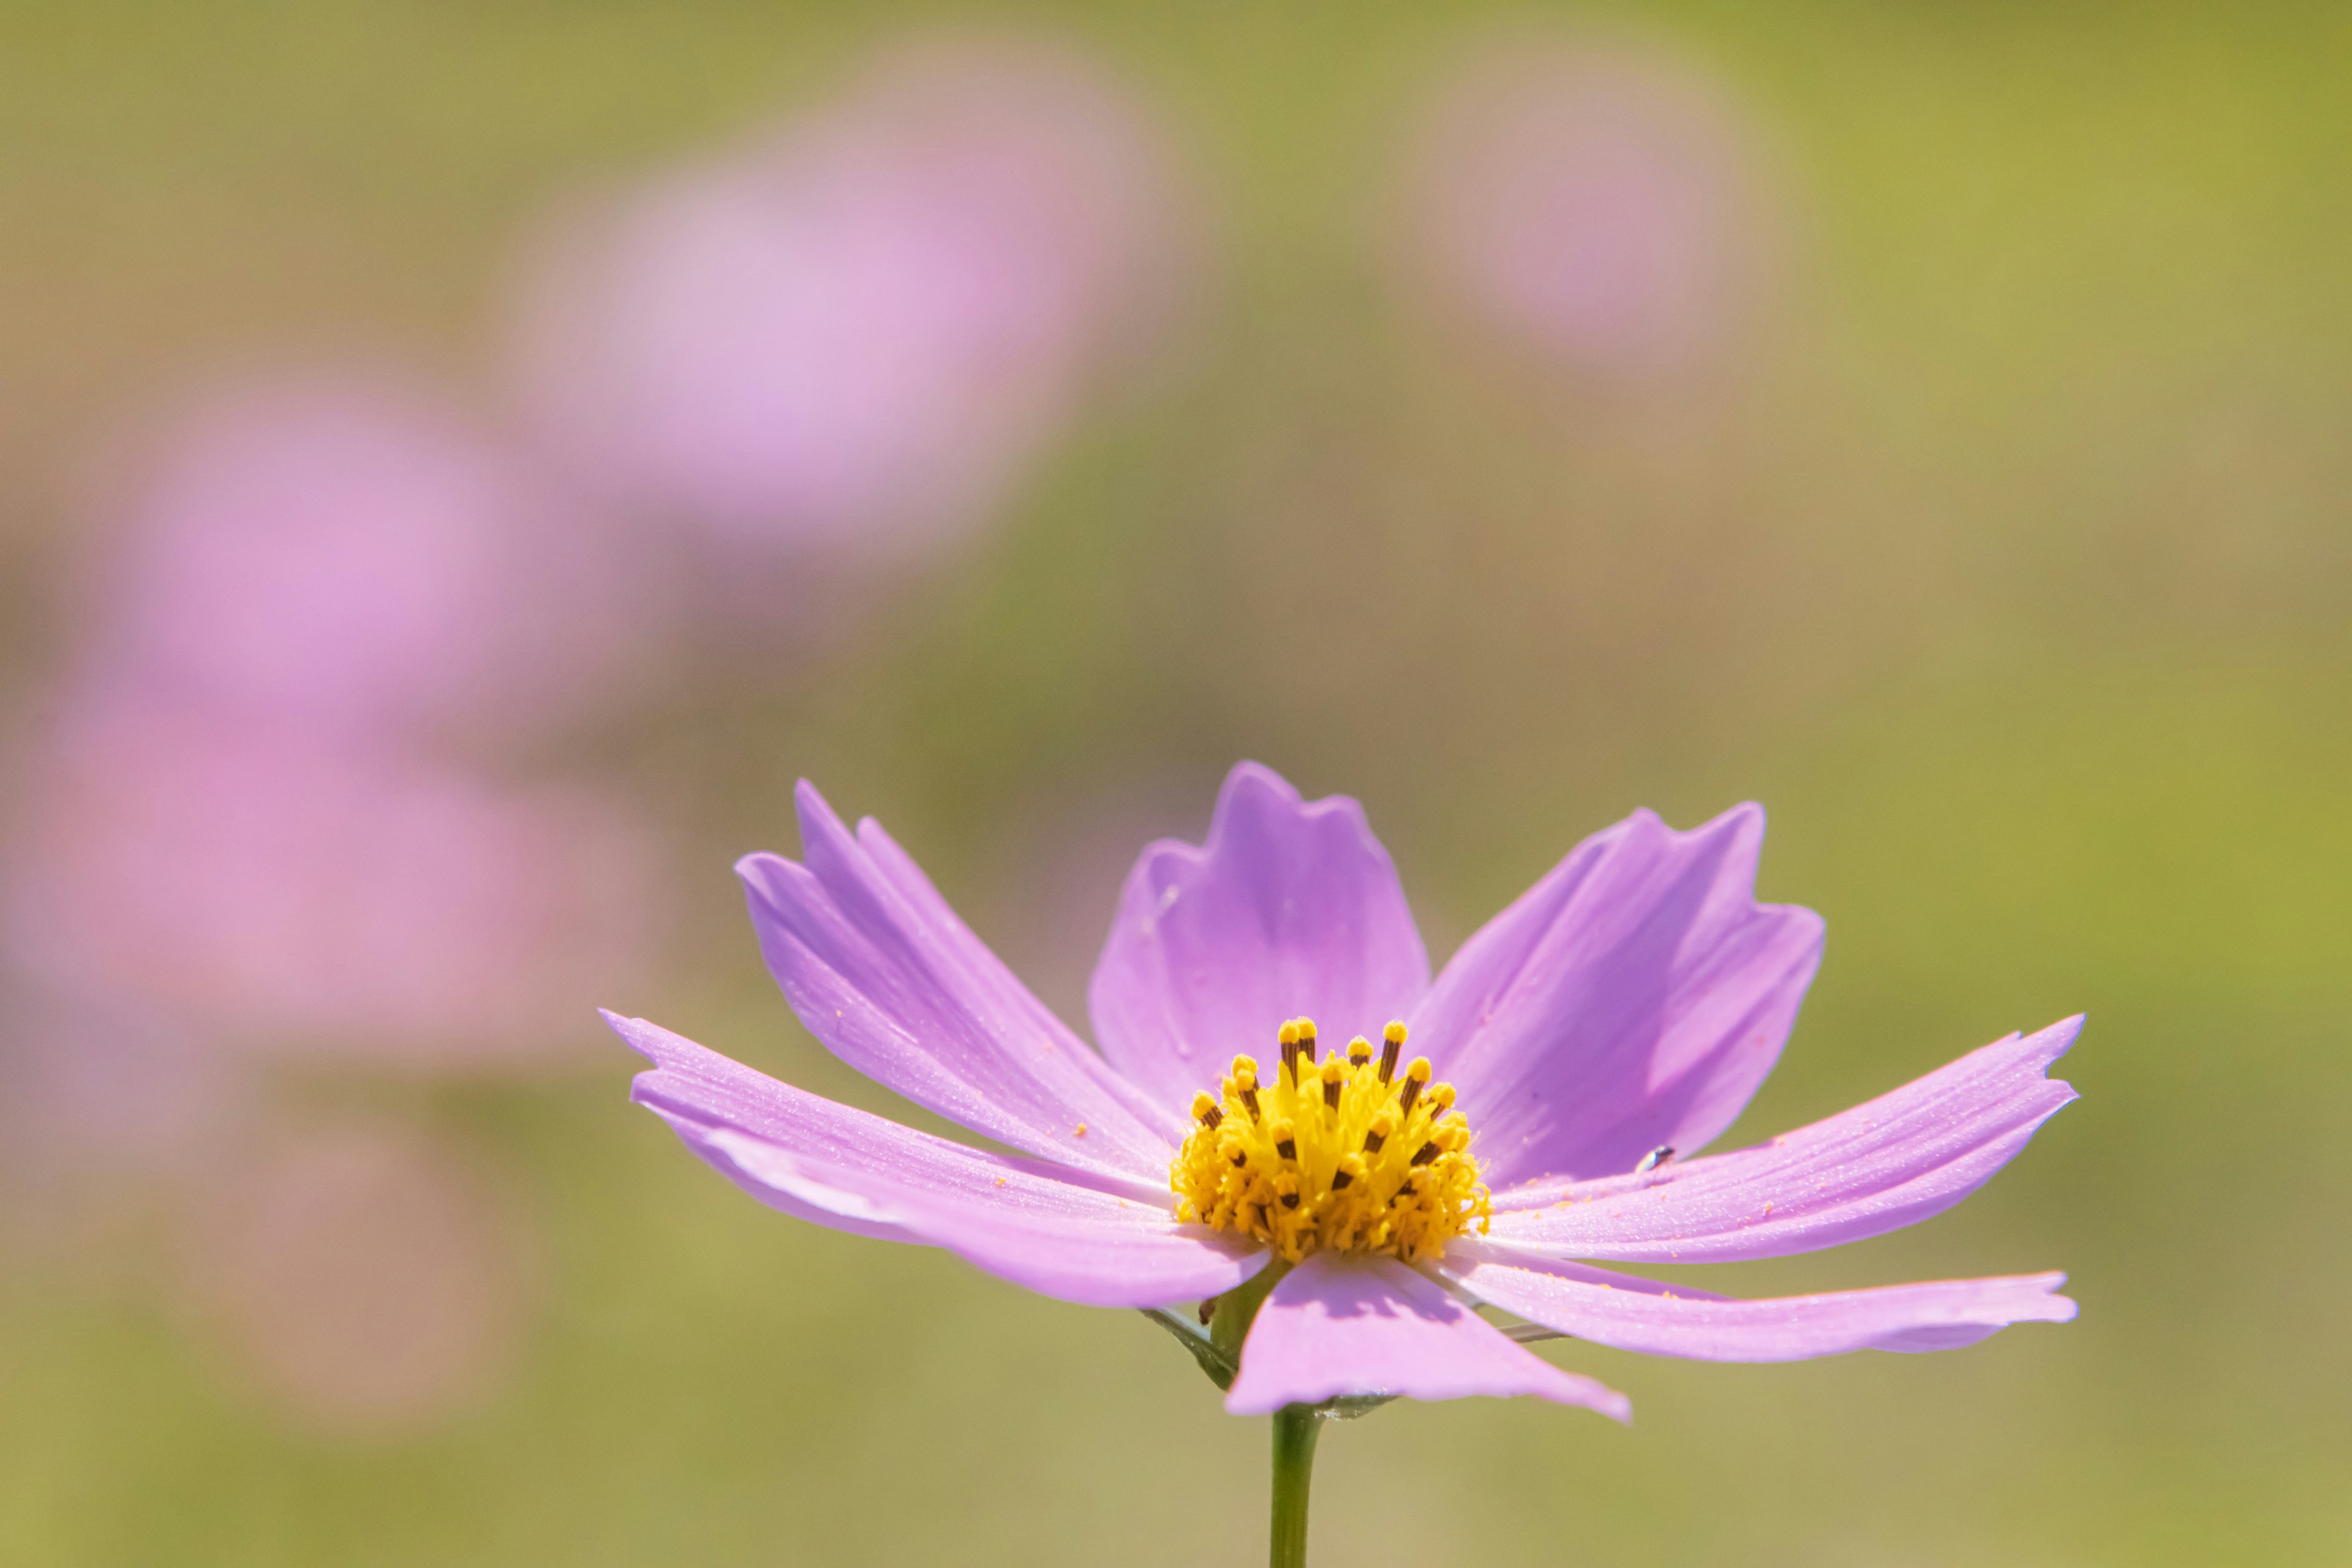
{"x":1428,"y":1153}
{"x":1291,"y":1200}
{"x":1241,"y":1157}
{"x":1249,"y":1098}
{"x":1341,"y":1178}
{"x":1372,"y":1142}
{"x":1307,"y":1040}
{"x":1210,"y":1118}
{"x":1287,"y":1148}
{"x":1389,"y":1050}
{"x":1407,"y":1095}
{"x":1332,"y":1093}
{"x":1208,"y":1310}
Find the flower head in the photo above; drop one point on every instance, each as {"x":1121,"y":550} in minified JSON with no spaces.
{"x":1595,"y":206}
{"x":1347,"y":1155}
{"x":1573,"y":1055}
{"x":856,"y":329}
{"x":303,"y":899}
{"x":336,"y":552}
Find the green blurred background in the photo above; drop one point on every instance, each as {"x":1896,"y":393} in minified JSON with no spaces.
{"x":2008,"y":566}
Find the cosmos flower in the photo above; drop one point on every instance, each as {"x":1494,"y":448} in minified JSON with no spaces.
{"x":368,"y":1281}
{"x":336,"y":552}
{"x":1561,"y":1073}
{"x":1598,"y":207}
{"x":852,"y":329}
{"x":108,"y":1101}
{"x":286,"y":897}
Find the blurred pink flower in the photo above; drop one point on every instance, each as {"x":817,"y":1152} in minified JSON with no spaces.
{"x":340,"y":552}
{"x":364,"y":1278}
{"x":856,"y":329}
{"x":105,"y":1100}
{"x":1597,"y":206}
{"x":290,"y":896}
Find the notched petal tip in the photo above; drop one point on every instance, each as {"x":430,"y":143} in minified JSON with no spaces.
{"x":1250,"y":772}
{"x":2060,"y":1037}
{"x":1247,"y":777}
{"x":648,"y":1040}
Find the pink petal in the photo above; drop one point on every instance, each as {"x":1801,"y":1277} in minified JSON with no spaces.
{"x":1337,"y":1325}
{"x":1895,"y":1161}
{"x":1636,"y":996}
{"x":1674,"y":1319}
{"x":881,"y":969}
{"x":1289,"y":909}
{"x":1022,"y":1220}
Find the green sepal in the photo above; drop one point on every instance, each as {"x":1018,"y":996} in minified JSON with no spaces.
{"x":1237,"y":1309}
{"x":1220,"y":1367}
{"x":1217,"y":1350}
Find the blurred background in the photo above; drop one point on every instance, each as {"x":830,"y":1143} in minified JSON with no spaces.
{"x":459,"y":464}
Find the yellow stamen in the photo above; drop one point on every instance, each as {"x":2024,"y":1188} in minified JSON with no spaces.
{"x":1344,"y":1156}
{"x":1416,"y":1078}
{"x":1245,"y":1084}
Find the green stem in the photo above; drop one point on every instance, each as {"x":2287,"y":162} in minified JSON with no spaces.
{"x":1296,"y":1427}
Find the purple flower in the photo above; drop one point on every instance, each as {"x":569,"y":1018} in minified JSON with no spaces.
{"x":299,"y":899}
{"x":1574,"y":1055}
{"x":1595,"y":206}
{"x":338,"y":552}
{"x":366,"y":1280}
{"x":854,"y":331}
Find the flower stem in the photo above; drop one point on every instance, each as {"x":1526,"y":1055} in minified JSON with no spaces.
{"x":1296,"y":1427}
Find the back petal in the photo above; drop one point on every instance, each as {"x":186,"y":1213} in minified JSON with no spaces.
{"x":1337,"y":1325}
{"x":1289,"y":909}
{"x":1635,"y":997}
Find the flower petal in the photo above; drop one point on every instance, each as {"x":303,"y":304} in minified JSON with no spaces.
{"x":880,"y":969}
{"x":1289,"y":909}
{"x":1657,"y":1319}
{"x":1337,"y":1325}
{"x":1636,"y":996}
{"x":1053,"y":1231}
{"x":1894,"y":1162}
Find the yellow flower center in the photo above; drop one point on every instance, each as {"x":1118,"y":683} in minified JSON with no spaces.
{"x":1348,"y":1154}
